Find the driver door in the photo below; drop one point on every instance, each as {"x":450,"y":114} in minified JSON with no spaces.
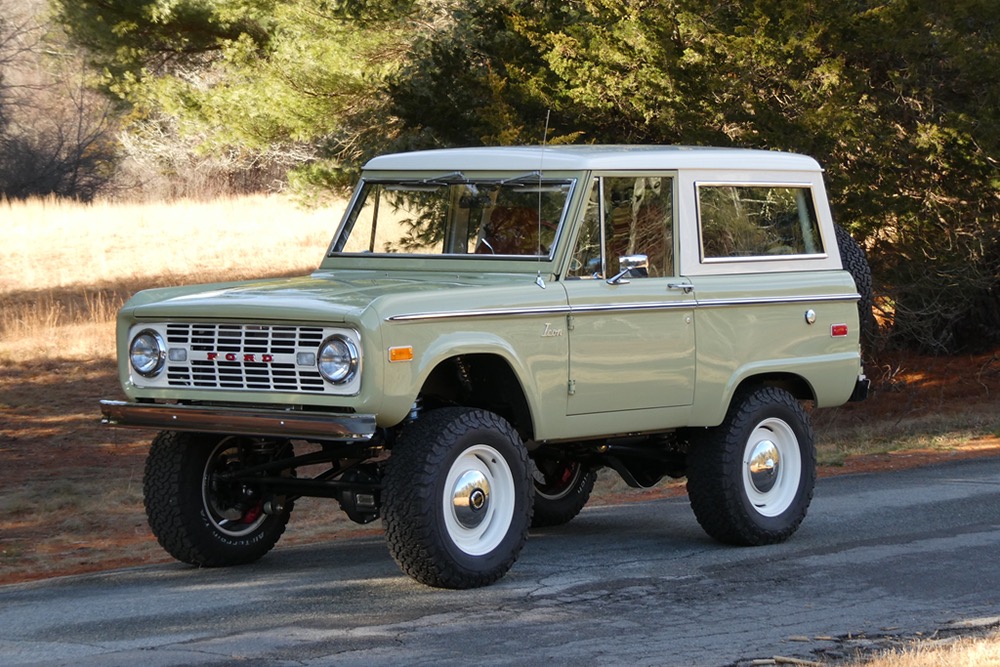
{"x":631,"y":328}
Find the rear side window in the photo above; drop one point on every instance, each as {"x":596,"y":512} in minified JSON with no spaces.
{"x":757,"y":221}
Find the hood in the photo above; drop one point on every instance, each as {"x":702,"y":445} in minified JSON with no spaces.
{"x":321,"y":297}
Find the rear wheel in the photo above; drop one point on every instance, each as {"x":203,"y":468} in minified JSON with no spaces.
{"x":457,"y":498}
{"x":751,"y":479}
{"x":198,"y":512}
{"x":562,"y":488}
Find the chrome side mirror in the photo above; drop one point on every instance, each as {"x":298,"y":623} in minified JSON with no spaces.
{"x":635,"y":266}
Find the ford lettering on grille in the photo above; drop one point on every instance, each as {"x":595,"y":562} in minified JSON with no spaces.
{"x":232,"y":356}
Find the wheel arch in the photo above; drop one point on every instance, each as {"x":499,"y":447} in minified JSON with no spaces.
{"x":796,"y":385}
{"x":483,"y":380}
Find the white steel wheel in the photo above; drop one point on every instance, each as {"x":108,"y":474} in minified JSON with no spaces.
{"x":478,"y":502}
{"x":772,"y":467}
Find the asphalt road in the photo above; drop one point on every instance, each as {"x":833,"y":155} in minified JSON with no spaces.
{"x":892,"y":554}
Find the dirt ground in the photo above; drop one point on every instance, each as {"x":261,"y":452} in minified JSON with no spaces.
{"x":70,"y":489}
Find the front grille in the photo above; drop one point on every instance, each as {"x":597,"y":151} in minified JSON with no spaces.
{"x":253,"y":357}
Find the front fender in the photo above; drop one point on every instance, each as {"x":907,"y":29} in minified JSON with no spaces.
{"x":539,"y":364}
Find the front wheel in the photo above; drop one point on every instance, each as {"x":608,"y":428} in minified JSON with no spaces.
{"x":199,"y":511}
{"x":751,"y":479}
{"x":457,"y":498}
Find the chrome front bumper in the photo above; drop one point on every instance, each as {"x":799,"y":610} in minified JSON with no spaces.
{"x":240,"y":421}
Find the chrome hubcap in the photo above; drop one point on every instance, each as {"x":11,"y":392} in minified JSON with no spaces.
{"x":471,"y":498}
{"x":764,"y":466}
{"x":478,"y":500}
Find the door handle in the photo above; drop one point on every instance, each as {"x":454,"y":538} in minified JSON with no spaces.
{"x":686,"y":287}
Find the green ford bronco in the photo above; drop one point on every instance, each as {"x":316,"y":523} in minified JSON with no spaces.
{"x":488,"y":329}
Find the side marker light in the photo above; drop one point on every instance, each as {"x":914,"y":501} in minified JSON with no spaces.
{"x":401,"y":353}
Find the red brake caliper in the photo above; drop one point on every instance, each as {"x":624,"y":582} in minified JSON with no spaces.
{"x":253,"y":513}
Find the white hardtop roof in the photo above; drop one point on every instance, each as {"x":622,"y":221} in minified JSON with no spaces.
{"x":591,"y":157}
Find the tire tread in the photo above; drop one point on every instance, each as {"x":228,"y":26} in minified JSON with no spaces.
{"x":417,"y":460}
{"x":548,"y":513}
{"x":852,"y":255}
{"x":171,"y":495}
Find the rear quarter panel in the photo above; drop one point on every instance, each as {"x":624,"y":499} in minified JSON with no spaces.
{"x":753,"y":324}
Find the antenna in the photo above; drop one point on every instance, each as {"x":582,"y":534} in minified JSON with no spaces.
{"x":538,"y":234}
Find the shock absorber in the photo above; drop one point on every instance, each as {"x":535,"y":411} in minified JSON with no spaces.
{"x":463,"y":374}
{"x":263,"y":450}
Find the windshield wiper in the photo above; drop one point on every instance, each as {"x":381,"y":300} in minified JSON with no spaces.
{"x":457,"y":178}
{"x":531,"y":175}
{"x":453,"y":178}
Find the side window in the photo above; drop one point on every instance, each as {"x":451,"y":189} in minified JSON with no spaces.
{"x":739,"y":221}
{"x":635,"y":214}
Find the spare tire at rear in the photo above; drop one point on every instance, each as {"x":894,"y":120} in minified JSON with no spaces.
{"x":852,"y":255}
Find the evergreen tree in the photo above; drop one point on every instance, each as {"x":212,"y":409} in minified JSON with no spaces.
{"x":897,"y":99}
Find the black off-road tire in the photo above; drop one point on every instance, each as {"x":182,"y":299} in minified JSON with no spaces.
{"x":738,"y":500}
{"x":561,"y":490}
{"x":186,"y":507}
{"x":444,"y":526}
{"x":855,"y":262}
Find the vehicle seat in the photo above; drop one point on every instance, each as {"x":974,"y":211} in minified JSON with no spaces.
{"x":510,"y":231}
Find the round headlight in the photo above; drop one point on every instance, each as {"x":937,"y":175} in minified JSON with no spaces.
{"x":338,"y":359}
{"x":147,"y":353}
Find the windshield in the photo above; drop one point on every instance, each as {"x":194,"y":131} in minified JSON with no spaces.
{"x":452,"y":215}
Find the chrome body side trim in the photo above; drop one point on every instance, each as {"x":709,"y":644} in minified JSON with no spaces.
{"x":643,"y":306}
{"x":239,"y":421}
{"x":487,"y":312}
{"x":757,"y":301}
{"x":640,"y":306}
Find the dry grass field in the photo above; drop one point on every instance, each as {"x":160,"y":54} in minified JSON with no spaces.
{"x":67,"y":264}
{"x":981,"y":651}
{"x":70,"y":490}
{"x":52,"y":243}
